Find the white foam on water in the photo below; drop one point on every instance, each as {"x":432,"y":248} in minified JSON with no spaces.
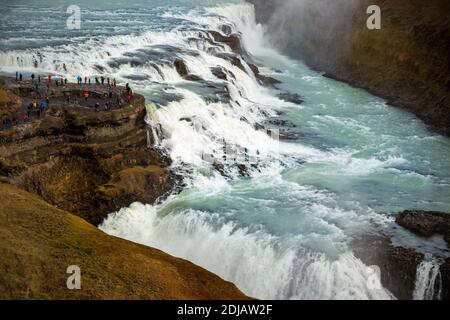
{"x":259,"y":263}
{"x":253,"y":260}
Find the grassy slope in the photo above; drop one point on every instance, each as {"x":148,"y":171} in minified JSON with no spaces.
{"x":38,"y":242}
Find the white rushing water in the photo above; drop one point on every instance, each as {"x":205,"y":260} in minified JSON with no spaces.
{"x":283,"y":230}
{"x":428,"y":284}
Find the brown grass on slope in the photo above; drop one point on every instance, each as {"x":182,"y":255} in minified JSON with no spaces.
{"x":38,"y":242}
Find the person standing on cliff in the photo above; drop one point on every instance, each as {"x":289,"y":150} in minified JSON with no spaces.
{"x":25,"y":117}
{"x":17,"y":76}
{"x":20,"y":77}
{"x":29,"y":109}
{"x":32,"y":77}
{"x":42,"y":106}
{"x":6,"y":122}
{"x":103,"y":80}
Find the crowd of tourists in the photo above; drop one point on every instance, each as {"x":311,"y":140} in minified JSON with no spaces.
{"x":36,"y":109}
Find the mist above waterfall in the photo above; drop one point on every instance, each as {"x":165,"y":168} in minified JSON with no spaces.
{"x":313,"y":30}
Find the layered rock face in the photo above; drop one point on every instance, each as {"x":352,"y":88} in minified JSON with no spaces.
{"x":39,"y":242}
{"x":89,"y":163}
{"x":406,"y":61}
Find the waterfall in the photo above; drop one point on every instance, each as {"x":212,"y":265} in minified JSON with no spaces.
{"x":153,"y":126}
{"x":156,"y":140}
{"x":428,"y":284}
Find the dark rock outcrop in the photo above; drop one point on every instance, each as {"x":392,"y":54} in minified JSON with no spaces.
{"x":398,"y":265}
{"x":239,"y":56}
{"x":183,"y":71}
{"x":291,"y":97}
{"x":219,"y":73}
{"x":426,"y":223}
{"x":263,"y":80}
{"x":232,"y":40}
{"x":445,"y":278}
{"x":181,"y":67}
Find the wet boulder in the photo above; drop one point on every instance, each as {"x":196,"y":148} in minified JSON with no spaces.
{"x":232,"y":40}
{"x":181,"y":67}
{"x":193,"y":77}
{"x":426,"y":223}
{"x":290,"y":97}
{"x":263,"y":80}
{"x":398,"y":265}
{"x":219,"y":73}
{"x":182,"y":70}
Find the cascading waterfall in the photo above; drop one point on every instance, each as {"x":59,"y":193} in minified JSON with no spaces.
{"x":153,"y":126}
{"x":283,"y":229}
{"x":264,"y":263}
{"x":428,"y":284}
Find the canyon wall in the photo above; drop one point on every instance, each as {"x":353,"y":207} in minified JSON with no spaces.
{"x":407,"y":61}
{"x":85,"y":162}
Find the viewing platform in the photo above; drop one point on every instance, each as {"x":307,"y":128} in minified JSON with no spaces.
{"x":26,"y":101}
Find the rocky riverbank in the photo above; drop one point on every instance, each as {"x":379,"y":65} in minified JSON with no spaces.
{"x":406,"y":61}
{"x":399,"y":265}
{"x":74,"y":157}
